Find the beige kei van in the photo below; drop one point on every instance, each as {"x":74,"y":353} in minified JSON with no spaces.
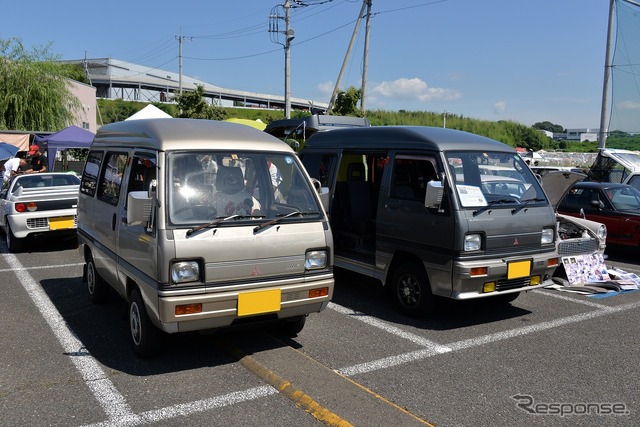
{"x":200,"y":225}
{"x":411,"y":207}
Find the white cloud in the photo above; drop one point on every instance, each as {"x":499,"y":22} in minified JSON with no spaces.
{"x":499,"y":107}
{"x":414,"y":89}
{"x":629,"y":105}
{"x":326,"y":87}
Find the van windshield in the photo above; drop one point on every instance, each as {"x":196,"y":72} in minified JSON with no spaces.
{"x":209,"y":185}
{"x":493,"y":179}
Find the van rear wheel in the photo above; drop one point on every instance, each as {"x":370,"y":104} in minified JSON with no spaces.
{"x":97,"y":287}
{"x":144,"y":335}
{"x":411,"y":290}
{"x":291,"y":327}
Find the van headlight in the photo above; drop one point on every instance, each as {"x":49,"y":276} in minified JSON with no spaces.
{"x":472,"y":242}
{"x":547,"y":236}
{"x":315,"y":260}
{"x":602,"y":232}
{"x":185,"y":271}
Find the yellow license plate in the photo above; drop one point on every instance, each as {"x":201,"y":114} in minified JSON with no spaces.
{"x":61,"y":223}
{"x":259,"y":302}
{"x":518,"y":269}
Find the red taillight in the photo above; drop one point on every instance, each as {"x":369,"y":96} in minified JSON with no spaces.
{"x":29,"y":206}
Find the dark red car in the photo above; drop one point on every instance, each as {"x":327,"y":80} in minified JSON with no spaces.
{"x":615,"y":205}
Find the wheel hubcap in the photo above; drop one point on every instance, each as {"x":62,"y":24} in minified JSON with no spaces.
{"x":134,"y":316}
{"x":409,"y":291}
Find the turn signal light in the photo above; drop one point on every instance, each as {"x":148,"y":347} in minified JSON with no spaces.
{"x":553,"y":262}
{"x":320,"y":292}
{"x":188,"y":309}
{"x":478,"y":271}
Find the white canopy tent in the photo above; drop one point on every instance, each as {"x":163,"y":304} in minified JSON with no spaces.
{"x":149,"y":112}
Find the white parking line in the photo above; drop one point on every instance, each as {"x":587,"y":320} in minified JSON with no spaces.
{"x":41,"y":267}
{"x":433,"y":348}
{"x":113,"y":403}
{"x":558,"y":295}
{"x":380,"y":324}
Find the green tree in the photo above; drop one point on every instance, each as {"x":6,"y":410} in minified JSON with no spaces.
{"x":34,"y":88}
{"x":193,"y":105}
{"x":548,"y":126}
{"x":346,"y":102}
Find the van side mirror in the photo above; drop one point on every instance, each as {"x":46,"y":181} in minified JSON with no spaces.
{"x":323,"y":192}
{"x":433,"y":197}
{"x":325,"y":198}
{"x":139,"y":206}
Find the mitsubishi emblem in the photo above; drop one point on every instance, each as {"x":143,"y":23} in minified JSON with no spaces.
{"x":515,"y":242}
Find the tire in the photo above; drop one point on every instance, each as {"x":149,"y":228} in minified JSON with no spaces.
{"x":145,"y":336}
{"x":291,"y":327}
{"x":13,"y":243}
{"x":97,"y":287}
{"x":411,"y":290}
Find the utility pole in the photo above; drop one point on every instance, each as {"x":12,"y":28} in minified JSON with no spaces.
{"x":365,"y":63}
{"x":180,"y":39}
{"x":602,"y":134}
{"x":288,"y":36}
{"x":346,"y":58}
{"x":274,"y":29}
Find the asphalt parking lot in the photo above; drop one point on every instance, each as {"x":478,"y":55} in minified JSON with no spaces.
{"x":549,"y":358}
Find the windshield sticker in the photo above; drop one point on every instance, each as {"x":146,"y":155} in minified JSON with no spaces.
{"x":471,"y":196}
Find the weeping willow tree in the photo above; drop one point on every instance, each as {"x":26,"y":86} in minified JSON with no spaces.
{"x":34,"y":88}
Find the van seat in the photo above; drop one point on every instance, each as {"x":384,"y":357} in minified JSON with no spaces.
{"x":359,"y":199}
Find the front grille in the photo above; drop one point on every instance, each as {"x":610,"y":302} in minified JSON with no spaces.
{"x":505,"y":285}
{"x":577,"y":247}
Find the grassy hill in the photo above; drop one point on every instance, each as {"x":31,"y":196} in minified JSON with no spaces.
{"x":508,"y":132}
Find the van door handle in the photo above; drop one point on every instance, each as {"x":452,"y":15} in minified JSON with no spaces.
{"x":391,"y":205}
{"x":113,"y":222}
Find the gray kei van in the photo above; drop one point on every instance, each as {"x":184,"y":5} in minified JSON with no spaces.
{"x":418,"y":209}
{"x":202,"y":224}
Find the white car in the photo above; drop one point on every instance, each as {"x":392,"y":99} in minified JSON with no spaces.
{"x":38,"y":204}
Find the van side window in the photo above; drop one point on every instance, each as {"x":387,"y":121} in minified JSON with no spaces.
{"x":111,"y":178}
{"x":410,"y":177}
{"x":320,"y":167}
{"x":90,"y":173}
{"x":143,"y":171}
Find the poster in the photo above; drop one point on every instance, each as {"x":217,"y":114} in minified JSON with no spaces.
{"x":583,"y":269}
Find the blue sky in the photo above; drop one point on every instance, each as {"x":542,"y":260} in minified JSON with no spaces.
{"x":526,"y":61}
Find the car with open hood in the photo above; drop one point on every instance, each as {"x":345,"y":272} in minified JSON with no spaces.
{"x":615,"y":205}
{"x":576,"y":235}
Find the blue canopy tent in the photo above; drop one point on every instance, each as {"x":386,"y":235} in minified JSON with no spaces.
{"x":71,"y":137}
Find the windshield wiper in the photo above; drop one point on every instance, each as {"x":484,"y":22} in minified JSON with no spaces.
{"x":280,"y":218}
{"x":492,"y":203}
{"x":219,"y":220}
{"x":210,"y":224}
{"x":525,"y":203}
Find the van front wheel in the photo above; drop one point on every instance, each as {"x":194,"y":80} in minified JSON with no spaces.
{"x":411,"y":290}
{"x":144,"y":335}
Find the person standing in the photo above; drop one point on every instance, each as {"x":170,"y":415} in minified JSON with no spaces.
{"x":12,"y":166}
{"x":38,"y":160}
